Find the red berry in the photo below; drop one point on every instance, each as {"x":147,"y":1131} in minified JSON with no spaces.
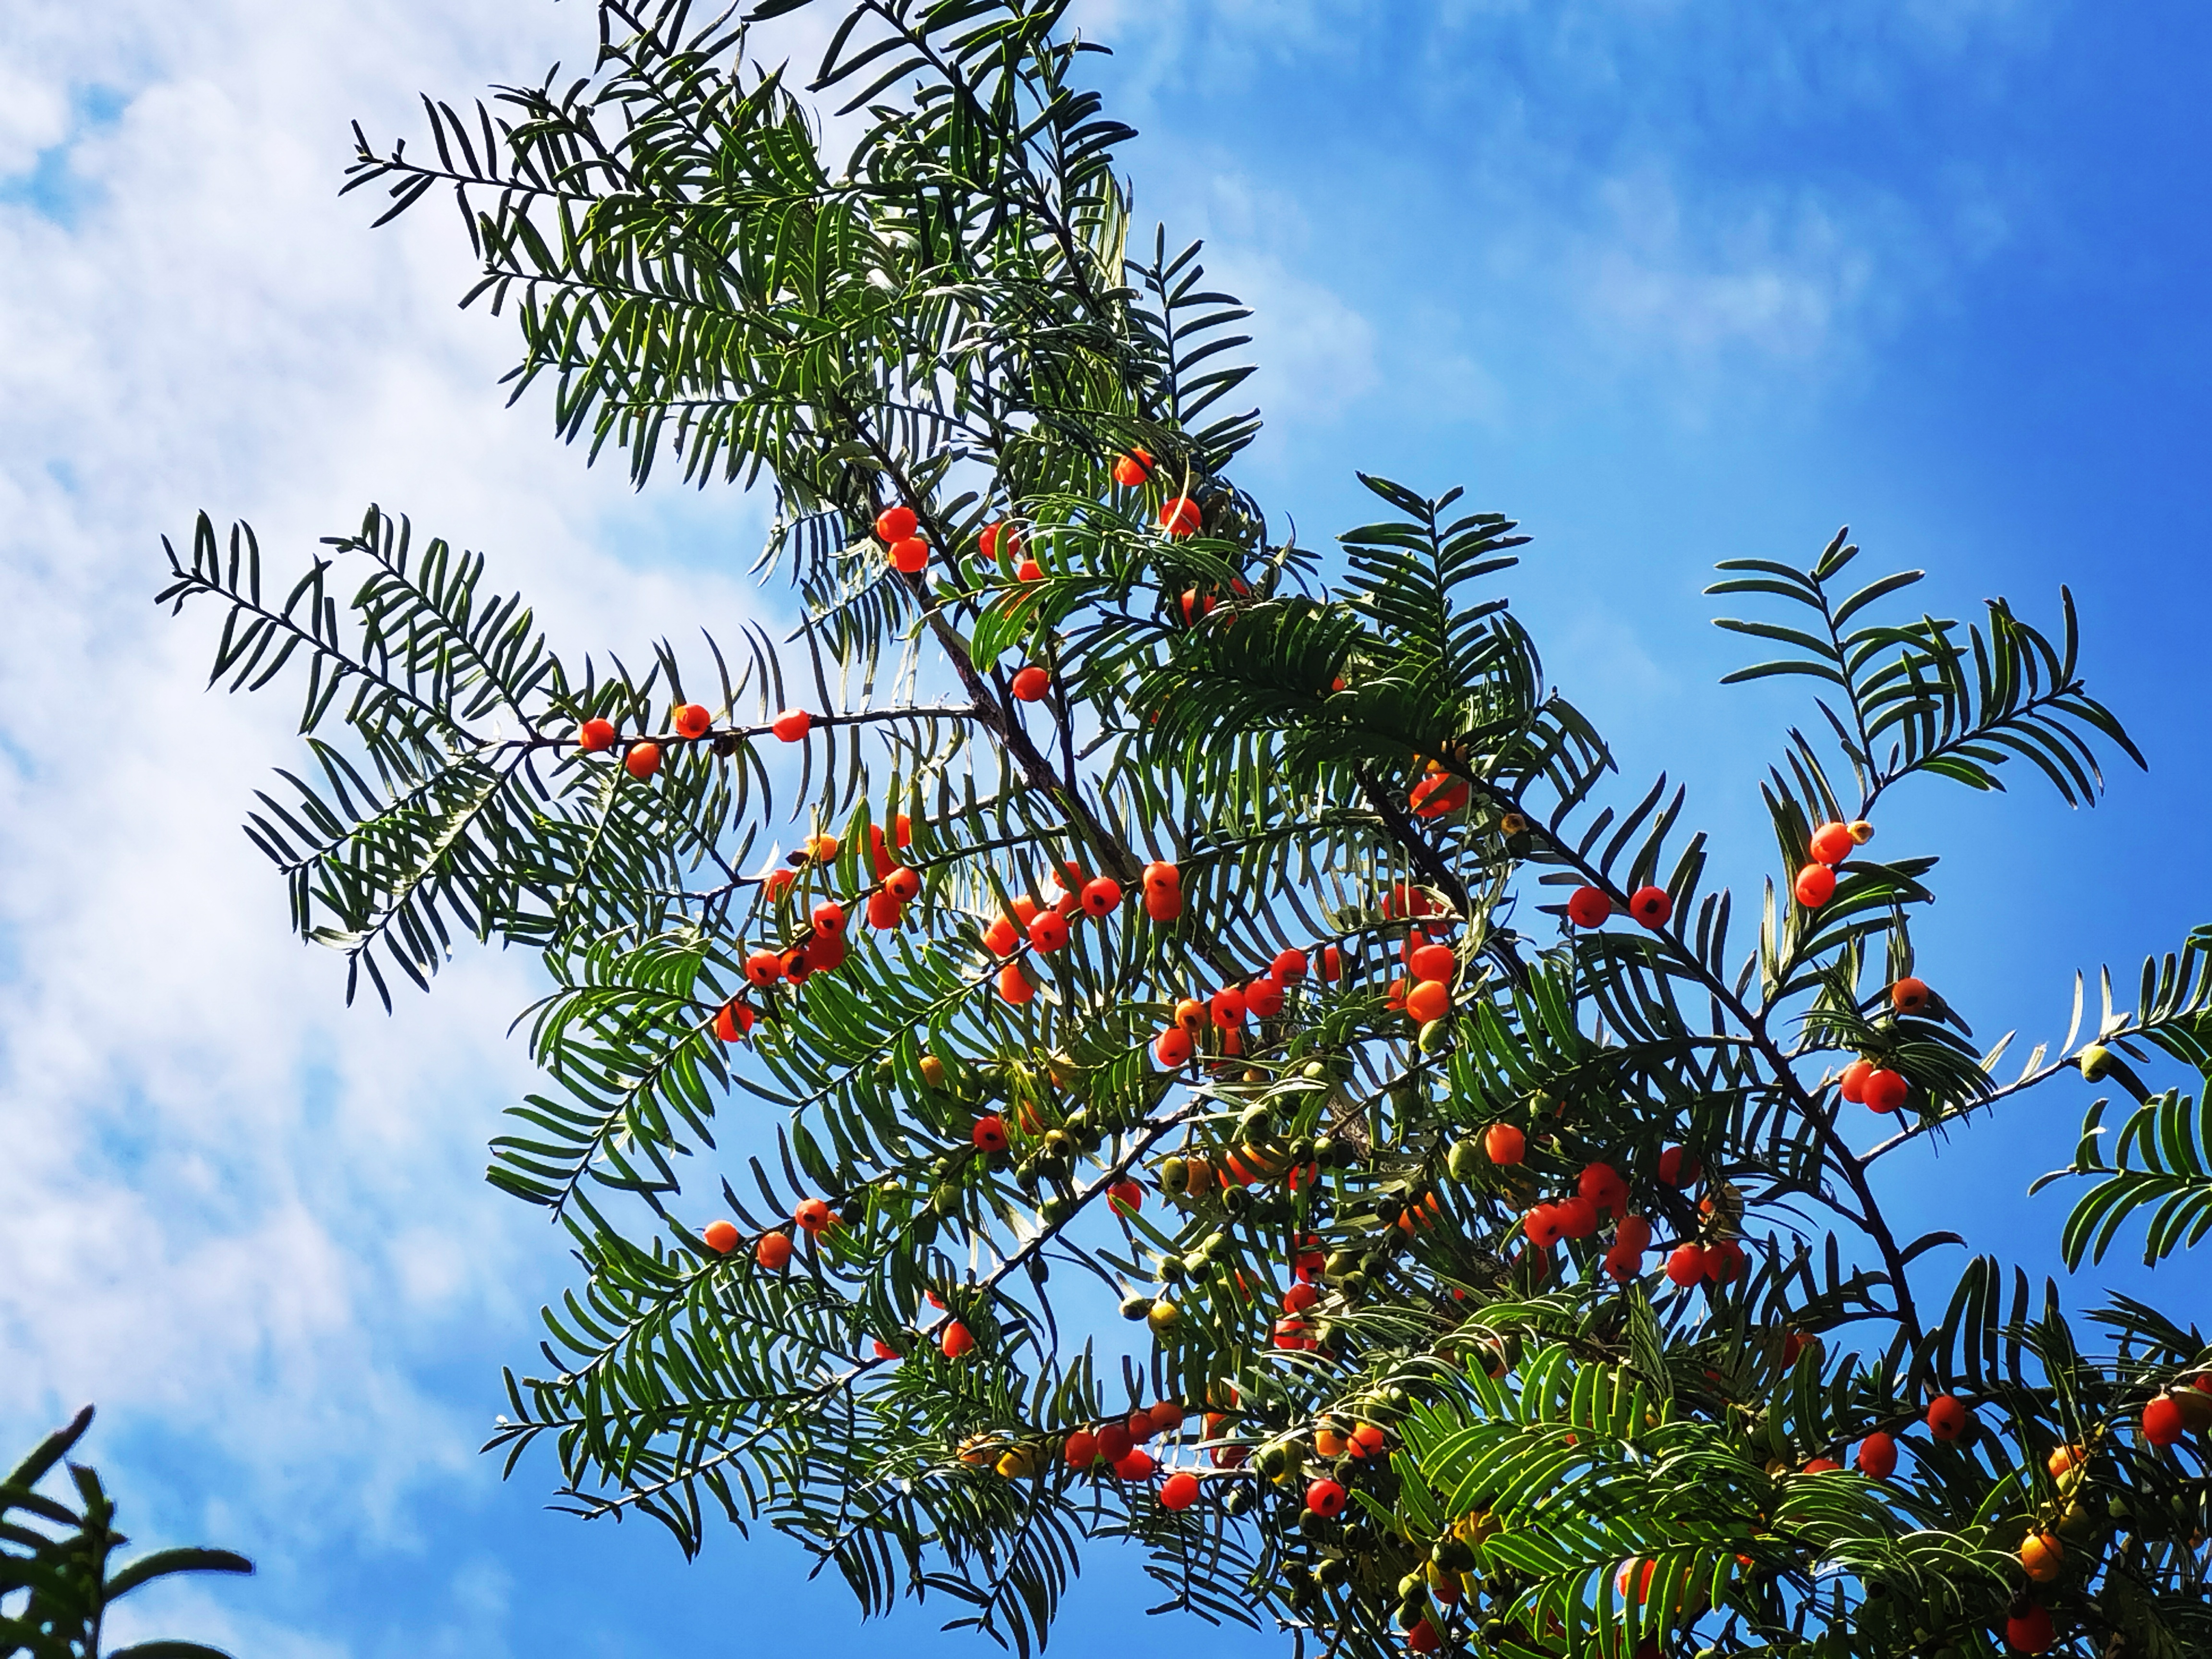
{"x":1686,"y":1265}
{"x":1263,"y":999}
{"x":1288,"y":967}
{"x":1815,"y":886}
{"x":1180,"y":1491}
{"x":1723,"y":1261}
{"x":1030,"y":571}
{"x":1430,"y":999}
{"x":2162,"y":1422}
{"x":1172,"y":1048}
{"x":1885,"y":1090}
{"x":1910,"y":995}
{"x":778,"y":882}
{"x":1601,"y":1184}
{"x":1048,"y":933}
{"x":642,"y":761}
{"x":1832,"y":843}
{"x":826,"y":953}
{"x":1161,"y":877}
{"x":1325,"y":1498}
{"x":1946,"y":1417}
{"x":793,"y":724}
{"x":1137,"y":1466}
{"x":595,"y":735}
{"x":1227,"y":1007}
{"x":902,"y":884}
{"x":773,"y":1252}
{"x":1423,"y":1637}
{"x":1001,"y":938}
{"x":1823,"y":1466}
{"x":1133,"y":469}
{"x":1179,"y":516}
{"x":2031,"y":1631}
{"x":1031,"y":683}
{"x":1543,"y":1225}
{"x":990,"y":1134}
{"x":732,"y":1021}
{"x":1114,"y":1442}
{"x":1014,"y":986}
{"x":763,"y":967}
{"x":721,"y":1236}
{"x":1332,"y":963}
{"x":1505,"y":1143}
{"x":883,"y":1350}
{"x":797,"y":964}
{"x":813,"y":1215}
{"x":1578,"y":1216}
{"x":1300,"y":1296}
{"x":1101,"y":896}
{"x":884,"y":910}
{"x":692,"y":721}
{"x":895,"y":524}
{"x":1651,"y":906}
{"x":1125,"y":1197}
{"x":829,"y":917}
{"x":1589,"y":907}
{"x":1852,"y":1084}
{"x":1877,"y":1458}
{"x":910,"y":556}
{"x":1082,"y":1449}
{"x":1678,"y":1169}
{"x":955,"y":1342}
{"x":999,"y":537}
{"x":1162,"y":903}
{"x":1434,"y":962}
{"x":1632,"y":1236}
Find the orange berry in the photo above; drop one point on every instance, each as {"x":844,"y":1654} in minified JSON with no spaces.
{"x":1435,"y":961}
{"x":1133,"y":469}
{"x":1179,"y":516}
{"x":1852,"y":1084}
{"x":642,"y":761}
{"x":1832,"y":843}
{"x":721,"y":1237}
{"x":1014,"y":985}
{"x":792,"y":726}
{"x":595,"y":735}
{"x":692,"y":721}
{"x":1001,"y":938}
{"x":1885,"y":1090}
{"x":1227,"y":1008}
{"x":885,"y":911}
{"x":2065,"y":1459}
{"x":773,"y":1252}
{"x":1910,"y":995}
{"x":1505,"y":1143}
{"x":732,"y":1021}
{"x":1172,"y":1048}
{"x":2042,"y":1557}
{"x":910,"y":556}
{"x":1030,"y":571}
{"x":829,"y":917}
{"x":763,"y":967}
{"x":1101,"y":896}
{"x":1430,"y":999}
{"x":902,"y":884}
{"x":1048,"y":933}
{"x":1161,"y":877}
{"x":813,"y":1216}
{"x":1814,"y":886}
{"x":895,"y":524}
{"x":1031,"y":683}
{"x":955,"y":1342}
{"x":1179,"y":1491}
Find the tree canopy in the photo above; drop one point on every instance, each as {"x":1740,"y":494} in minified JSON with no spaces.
{"x":1111,"y":903}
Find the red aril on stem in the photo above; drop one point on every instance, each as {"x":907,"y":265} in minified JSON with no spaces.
{"x":1325,"y":1498}
{"x":1134,"y":468}
{"x":813,"y":1216}
{"x":1081,"y":1449}
{"x":990,"y":1134}
{"x":1678,"y":1169}
{"x":732,"y":1021}
{"x":1137,"y":1465}
{"x":1288,"y":967}
{"x":1601,"y":1184}
{"x":1814,"y":886}
{"x":1543,"y":1226}
{"x":1505,"y":1143}
{"x":2162,"y":1422}
{"x":1263,"y":999}
{"x":1686,"y":1265}
{"x":1161,"y":877}
{"x":1014,"y":985}
{"x":1823,"y":1466}
{"x":1724,"y":1261}
{"x":1125,"y":1198}
{"x":1179,"y":516}
{"x":1227,"y":1008}
{"x":1946,"y":1417}
{"x":955,"y":1342}
{"x":1179,"y":1491}
{"x":1651,"y":906}
{"x":902,"y":884}
{"x":773,"y":1252}
{"x":692,"y":721}
{"x":1048,"y":933}
{"x":1430,"y":999}
{"x":1162,"y":903}
{"x":1423,"y":1637}
{"x":721,"y":1237}
{"x":829,"y":917}
{"x":1852,"y":1084}
{"x":1877,"y":1458}
{"x":1101,"y":896}
{"x":595,"y":735}
{"x":1031,"y":683}
{"x":895,"y":524}
{"x":642,"y":761}
{"x":1578,"y":1216}
{"x":1028,"y":571}
{"x":1832,"y":843}
{"x":792,"y":726}
{"x":1589,"y":907}
{"x":1434,"y":962}
{"x":884,"y":910}
{"x":910,"y":557}
{"x":1910,"y":995}
{"x":797,"y":962}
{"x":2030,"y":1630}
{"x":763,"y":967}
{"x":1885,"y":1090}
{"x":1172,"y":1048}
{"x":1001,"y":937}
{"x":826,"y":952}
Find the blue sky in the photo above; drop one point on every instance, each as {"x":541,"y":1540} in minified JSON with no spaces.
{"x":1670,"y":282}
